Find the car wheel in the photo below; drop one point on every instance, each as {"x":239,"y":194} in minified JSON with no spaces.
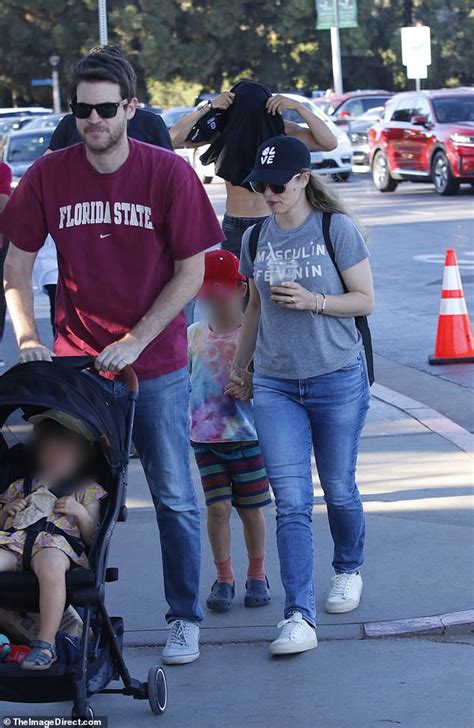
{"x":381,"y":176}
{"x":200,"y":169}
{"x":341,"y":177}
{"x":444,"y":181}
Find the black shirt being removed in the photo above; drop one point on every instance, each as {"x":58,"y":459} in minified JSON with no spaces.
{"x":145,"y":126}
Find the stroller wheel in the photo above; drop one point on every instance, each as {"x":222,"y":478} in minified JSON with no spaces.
{"x":87,"y":713}
{"x":157,"y":690}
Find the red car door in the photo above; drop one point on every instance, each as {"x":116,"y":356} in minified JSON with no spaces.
{"x":418,"y":136}
{"x":399,"y":124}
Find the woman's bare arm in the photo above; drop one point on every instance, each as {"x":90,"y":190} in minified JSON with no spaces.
{"x":179,"y":132}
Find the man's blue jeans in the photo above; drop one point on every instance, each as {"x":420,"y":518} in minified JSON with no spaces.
{"x":161,"y":436}
{"x":325,"y":414}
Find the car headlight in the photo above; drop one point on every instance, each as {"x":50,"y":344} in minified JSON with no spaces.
{"x":458,"y":138}
{"x":342,"y":138}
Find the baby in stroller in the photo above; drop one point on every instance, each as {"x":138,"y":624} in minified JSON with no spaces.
{"x":47,"y":521}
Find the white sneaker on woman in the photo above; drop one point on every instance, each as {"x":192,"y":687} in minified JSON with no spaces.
{"x":345,"y":593}
{"x":296,"y":636}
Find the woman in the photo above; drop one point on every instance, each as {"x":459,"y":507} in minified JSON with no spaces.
{"x":310,"y":384}
{"x":5,"y":191}
{"x":235,"y":124}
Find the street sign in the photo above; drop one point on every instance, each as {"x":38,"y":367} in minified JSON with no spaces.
{"x":41,"y":81}
{"x":326,"y":10}
{"x":336,"y":14}
{"x":417,"y":71}
{"x":347,"y":13}
{"x":416,"y":46}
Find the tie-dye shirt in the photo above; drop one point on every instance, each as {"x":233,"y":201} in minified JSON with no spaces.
{"x":215,"y":417}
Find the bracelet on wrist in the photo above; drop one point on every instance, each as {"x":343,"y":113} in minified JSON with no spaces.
{"x":323,"y":304}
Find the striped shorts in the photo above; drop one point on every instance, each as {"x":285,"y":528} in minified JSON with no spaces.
{"x":233,"y":471}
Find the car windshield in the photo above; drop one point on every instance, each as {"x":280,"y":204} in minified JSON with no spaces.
{"x":46,"y":122}
{"x":454,"y":108}
{"x":27,"y":147}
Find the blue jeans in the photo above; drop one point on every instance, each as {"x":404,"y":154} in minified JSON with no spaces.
{"x":325,"y":414}
{"x":161,"y":436}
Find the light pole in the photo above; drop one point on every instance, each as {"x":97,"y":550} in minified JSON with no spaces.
{"x":103,"y":32}
{"x":336,"y":53}
{"x":54,"y":60}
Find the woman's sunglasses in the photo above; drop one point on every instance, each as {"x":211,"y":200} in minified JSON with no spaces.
{"x":107,"y":110}
{"x":260,"y":187}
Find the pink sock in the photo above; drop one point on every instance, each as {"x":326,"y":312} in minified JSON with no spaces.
{"x":225,"y":573}
{"x":256,"y":568}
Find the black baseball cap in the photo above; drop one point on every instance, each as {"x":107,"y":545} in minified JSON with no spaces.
{"x":278,"y":160}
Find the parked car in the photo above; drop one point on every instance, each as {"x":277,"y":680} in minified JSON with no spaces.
{"x":359,"y":134}
{"x":49,"y":121}
{"x":423,"y":136}
{"x":23,"y":148}
{"x":342,"y":109}
{"x":336,"y":163}
{"x":24,"y":111}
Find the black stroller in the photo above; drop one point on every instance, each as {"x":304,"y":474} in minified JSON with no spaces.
{"x":32,"y":388}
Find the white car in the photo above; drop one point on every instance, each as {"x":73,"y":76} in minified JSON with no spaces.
{"x":336,"y":163}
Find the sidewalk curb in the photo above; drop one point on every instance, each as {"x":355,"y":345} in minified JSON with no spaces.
{"x":430,"y":418}
{"x":450,"y":623}
{"x":439,"y":624}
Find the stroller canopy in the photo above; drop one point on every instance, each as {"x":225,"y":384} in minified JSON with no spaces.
{"x":40,"y":385}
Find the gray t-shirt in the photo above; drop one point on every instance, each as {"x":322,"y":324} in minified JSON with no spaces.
{"x":293,"y":344}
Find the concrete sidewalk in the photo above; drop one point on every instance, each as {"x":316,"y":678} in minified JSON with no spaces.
{"x":416,"y":487}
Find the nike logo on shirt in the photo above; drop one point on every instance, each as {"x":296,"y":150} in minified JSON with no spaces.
{"x":107,"y":235}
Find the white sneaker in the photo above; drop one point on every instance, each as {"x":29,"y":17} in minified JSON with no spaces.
{"x":183,"y":643}
{"x":345,"y":593}
{"x":296,"y":636}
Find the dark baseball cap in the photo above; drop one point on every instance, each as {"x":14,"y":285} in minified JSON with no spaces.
{"x":278,"y":160}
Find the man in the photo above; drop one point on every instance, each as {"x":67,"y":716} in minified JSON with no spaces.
{"x":5,"y":190}
{"x":146,"y":126}
{"x":130,"y":223}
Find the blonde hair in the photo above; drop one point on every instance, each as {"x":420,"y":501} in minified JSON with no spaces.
{"x":323,"y":199}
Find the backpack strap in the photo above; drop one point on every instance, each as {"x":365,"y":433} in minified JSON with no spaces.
{"x":360,"y":321}
{"x":254,"y":236}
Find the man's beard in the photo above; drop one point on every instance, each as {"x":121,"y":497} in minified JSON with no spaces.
{"x":108,"y":140}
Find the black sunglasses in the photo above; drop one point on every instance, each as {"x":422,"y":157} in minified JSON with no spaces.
{"x":107,"y":110}
{"x":260,"y":187}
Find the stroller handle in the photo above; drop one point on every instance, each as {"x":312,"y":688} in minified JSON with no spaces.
{"x":84,"y":362}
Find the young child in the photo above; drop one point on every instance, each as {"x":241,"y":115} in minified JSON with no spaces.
{"x":66,"y":461}
{"x":224,"y":437}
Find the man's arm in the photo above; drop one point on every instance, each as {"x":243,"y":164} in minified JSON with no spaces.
{"x":19,"y":296}
{"x":186,"y":282}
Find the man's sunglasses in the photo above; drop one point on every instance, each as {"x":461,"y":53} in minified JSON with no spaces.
{"x":107,"y":110}
{"x":260,"y":187}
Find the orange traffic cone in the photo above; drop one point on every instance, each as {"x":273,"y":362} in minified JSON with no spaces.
{"x":454,"y":339}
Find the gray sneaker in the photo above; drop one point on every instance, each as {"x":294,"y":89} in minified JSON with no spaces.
{"x":183,"y":643}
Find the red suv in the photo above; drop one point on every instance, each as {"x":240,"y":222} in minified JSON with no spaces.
{"x":423,"y":136}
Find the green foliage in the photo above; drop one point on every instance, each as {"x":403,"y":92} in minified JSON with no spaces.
{"x":180,"y":45}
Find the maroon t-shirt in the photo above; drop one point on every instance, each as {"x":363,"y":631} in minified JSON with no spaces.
{"x":117,"y":237}
{"x":5,"y":179}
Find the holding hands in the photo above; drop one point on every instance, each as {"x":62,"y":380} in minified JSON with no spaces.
{"x":240,"y":384}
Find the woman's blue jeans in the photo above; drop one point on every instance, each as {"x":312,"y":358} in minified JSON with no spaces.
{"x":325,"y":414}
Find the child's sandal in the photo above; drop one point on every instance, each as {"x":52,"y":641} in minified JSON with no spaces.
{"x":257,"y":593}
{"x":38,"y":658}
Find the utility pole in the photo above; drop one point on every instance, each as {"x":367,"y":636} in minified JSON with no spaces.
{"x":103,"y":31}
{"x":336,"y":53}
{"x":54,"y":60}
